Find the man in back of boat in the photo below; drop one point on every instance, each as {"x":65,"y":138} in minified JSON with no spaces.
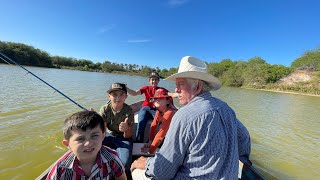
{"x":205,"y":139}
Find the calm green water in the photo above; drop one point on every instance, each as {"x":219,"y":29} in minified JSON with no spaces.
{"x":285,"y":128}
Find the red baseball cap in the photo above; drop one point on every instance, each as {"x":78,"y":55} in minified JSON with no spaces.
{"x":160,"y":93}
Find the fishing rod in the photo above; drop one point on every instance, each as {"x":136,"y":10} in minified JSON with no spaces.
{"x":12,"y":61}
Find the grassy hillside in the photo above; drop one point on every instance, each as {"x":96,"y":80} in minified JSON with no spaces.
{"x":301,"y":81}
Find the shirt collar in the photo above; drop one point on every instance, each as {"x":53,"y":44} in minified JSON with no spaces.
{"x":202,"y":95}
{"x":72,"y":162}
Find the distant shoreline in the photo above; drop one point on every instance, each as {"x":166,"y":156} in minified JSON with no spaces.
{"x":287,"y":92}
{"x":137,"y":74}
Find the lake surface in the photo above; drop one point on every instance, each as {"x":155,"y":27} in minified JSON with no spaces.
{"x":284,"y":128}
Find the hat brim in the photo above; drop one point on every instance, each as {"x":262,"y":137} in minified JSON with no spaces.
{"x":161,"y":97}
{"x":110,"y":90}
{"x":154,"y":76}
{"x":212,"y":81}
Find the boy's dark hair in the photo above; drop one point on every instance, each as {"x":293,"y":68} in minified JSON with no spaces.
{"x":82,"y":120}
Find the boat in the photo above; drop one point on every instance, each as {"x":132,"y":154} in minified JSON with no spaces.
{"x":246,"y":169}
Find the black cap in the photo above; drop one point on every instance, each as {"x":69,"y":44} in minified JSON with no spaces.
{"x":116,"y":87}
{"x":154,"y":74}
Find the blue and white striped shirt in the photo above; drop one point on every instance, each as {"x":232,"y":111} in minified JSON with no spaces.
{"x":204,"y":141}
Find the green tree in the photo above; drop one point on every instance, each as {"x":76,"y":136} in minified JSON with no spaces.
{"x":217,"y":69}
{"x":25,"y":55}
{"x":146,"y":70}
{"x":83,"y":62}
{"x":310,"y":60}
{"x":60,"y":61}
{"x":254,"y":73}
{"x":164,"y":73}
{"x":234,"y":75}
{"x":276,"y":72}
{"x":172,"y":71}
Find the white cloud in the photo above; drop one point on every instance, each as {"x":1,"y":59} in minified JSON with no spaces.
{"x":174,"y":3}
{"x":139,"y":40}
{"x":106,"y":28}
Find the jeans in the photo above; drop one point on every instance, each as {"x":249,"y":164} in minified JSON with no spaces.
{"x":145,"y":114}
{"x":123,"y":147}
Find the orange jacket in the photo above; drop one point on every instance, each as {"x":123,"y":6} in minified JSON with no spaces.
{"x":165,"y":119}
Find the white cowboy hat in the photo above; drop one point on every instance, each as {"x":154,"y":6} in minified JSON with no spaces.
{"x":191,"y":67}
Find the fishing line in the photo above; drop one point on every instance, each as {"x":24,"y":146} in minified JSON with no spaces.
{"x":5,"y":60}
{"x":12,"y":61}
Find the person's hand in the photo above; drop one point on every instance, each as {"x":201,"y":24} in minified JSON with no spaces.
{"x":140,"y":163}
{"x":124,"y":126}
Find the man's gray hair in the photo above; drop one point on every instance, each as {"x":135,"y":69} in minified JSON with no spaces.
{"x":194,"y":83}
{"x":205,"y":86}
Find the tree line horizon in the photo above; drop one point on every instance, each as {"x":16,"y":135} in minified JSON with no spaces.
{"x":255,"y":72}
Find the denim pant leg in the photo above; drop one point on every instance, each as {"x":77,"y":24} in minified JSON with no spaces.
{"x":122,"y":146}
{"x":153,"y":112}
{"x":125,"y":152}
{"x":109,"y":141}
{"x":145,"y":114}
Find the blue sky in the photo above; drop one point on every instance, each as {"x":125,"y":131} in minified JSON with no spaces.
{"x":158,"y":33}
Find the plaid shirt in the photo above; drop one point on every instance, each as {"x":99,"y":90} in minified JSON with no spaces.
{"x":107,"y":165}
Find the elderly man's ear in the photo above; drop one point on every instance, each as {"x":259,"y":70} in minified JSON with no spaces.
{"x":199,"y":87}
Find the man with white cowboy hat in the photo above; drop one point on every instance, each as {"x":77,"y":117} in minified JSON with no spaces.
{"x":205,"y":139}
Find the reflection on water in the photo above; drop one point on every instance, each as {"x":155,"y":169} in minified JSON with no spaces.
{"x":284,"y":128}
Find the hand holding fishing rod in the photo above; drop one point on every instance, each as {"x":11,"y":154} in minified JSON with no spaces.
{"x":4,"y":57}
